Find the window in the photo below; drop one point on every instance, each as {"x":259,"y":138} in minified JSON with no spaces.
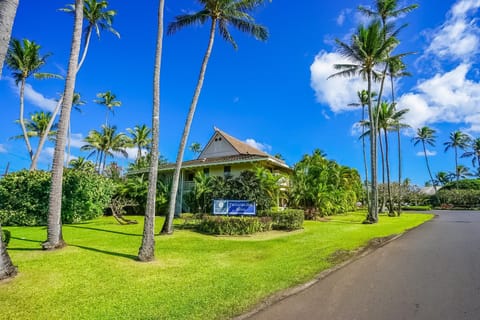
{"x":227,"y":170}
{"x":206,"y":171}
{"x":190,"y":176}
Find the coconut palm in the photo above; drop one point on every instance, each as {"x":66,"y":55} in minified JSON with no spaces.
{"x":107,"y":99}
{"x":37,"y":126}
{"x":94,"y":143}
{"x":147,"y":249}
{"x":363,"y":102}
{"x":98,"y":17}
{"x":24,"y":59}
{"x":54,"y":229}
{"x":8,"y":10}
{"x":462,"y":172}
{"x":442,"y":178}
{"x":82,"y":164}
{"x":196,"y":148}
{"x":457,"y":140}
{"x":140,"y":138}
{"x":221,"y":14}
{"x":426,"y":136}
{"x":368,"y":51}
{"x":385,"y":9}
{"x":474,"y":152}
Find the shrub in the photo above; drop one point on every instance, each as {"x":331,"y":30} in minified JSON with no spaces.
{"x":24,"y":197}
{"x":220,"y":225}
{"x":6,"y":235}
{"x":465,"y":184}
{"x":289,"y":219}
{"x":459,"y":198}
{"x":416,"y":208}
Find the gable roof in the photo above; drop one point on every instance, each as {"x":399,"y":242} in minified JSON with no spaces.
{"x":240,"y":147}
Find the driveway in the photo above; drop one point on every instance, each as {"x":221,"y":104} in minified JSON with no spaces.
{"x":432,"y":272}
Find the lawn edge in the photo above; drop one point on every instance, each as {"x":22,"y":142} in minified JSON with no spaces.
{"x":357,"y":254}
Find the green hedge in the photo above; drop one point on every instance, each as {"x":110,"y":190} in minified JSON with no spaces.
{"x":465,"y":184}
{"x":289,"y":219}
{"x":417,"y":208}
{"x":234,"y":225}
{"x":24,"y":197}
{"x":459,"y":198}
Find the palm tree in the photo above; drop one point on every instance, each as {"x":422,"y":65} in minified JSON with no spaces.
{"x":462,"y":172}
{"x":442,"y":178}
{"x":363,"y":102}
{"x":367,"y":51}
{"x":196,"y":148}
{"x":98,"y":17}
{"x":54,"y":229}
{"x":7,"y":269}
{"x":458,"y":140}
{"x":8,"y":10}
{"x":76,"y":104}
{"x":107,"y":99}
{"x":147,"y":249}
{"x":474,"y":152}
{"x":37,"y":126}
{"x":24,"y":59}
{"x":140,"y":137}
{"x":94,"y":143}
{"x":426,"y":135}
{"x":82,"y":164}
{"x":222,"y":14}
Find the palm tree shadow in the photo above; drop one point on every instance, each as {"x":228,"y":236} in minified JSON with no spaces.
{"x":25,"y":249}
{"x":117,"y":254}
{"x":104,"y":230}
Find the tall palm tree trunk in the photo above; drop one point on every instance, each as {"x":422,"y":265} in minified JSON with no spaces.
{"x":85,"y":49}
{"x":382,"y":156}
{"x":8,"y":10}
{"x":7,"y":269}
{"x":147,"y":249}
{"x":428,"y":166}
{"x":54,"y":230}
{"x":167,"y":226}
{"x":456,"y":167}
{"x":22,"y":122}
{"x":372,"y":216}
{"x":365,"y":159}
{"x":399,"y":202}
{"x":44,"y":136}
{"x":391,"y":212}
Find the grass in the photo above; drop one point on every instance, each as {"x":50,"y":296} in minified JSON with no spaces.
{"x":195,"y":276}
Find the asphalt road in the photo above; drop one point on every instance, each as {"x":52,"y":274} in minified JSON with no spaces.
{"x":432,"y":272}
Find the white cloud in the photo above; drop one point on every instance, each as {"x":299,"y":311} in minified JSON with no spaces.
{"x":448,"y":97}
{"x":3,"y":149}
{"x":342,"y":16}
{"x":34,"y":97}
{"x":429,"y":153}
{"x":77,"y":140}
{"x":131,"y":152}
{"x":336,"y":92}
{"x":258,"y":145}
{"x":459,"y":37}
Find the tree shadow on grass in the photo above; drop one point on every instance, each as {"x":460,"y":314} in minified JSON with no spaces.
{"x":9,"y":248}
{"x":117,"y":254}
{"x":103,"y":230}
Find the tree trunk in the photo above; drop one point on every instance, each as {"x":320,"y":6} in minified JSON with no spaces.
{"x":382,"y":155}
{"x":399,"y":209}
{"x":147,"y":249}
{"x":167,"y":226}
{"x":43,"y":138}
{"x":428,"y":166}
{"x":8,"y":10}
{"x":391,"y":212}
{"x":54,"y":229}
{"x":22,"y":121}
{"x":372,"y":216}
{"x":7,"y":269}
{"x":85,"y":49}
{"x":365,"y":159}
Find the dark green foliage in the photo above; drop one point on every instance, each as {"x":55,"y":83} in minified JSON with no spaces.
{"x":459,"y":198}
{"x":466,"y":184}
{"x":24,"y":197}
{"x":416,"y":208}
{"x":323,"y":187}
{"x":289,"y":219}
{"x":234,"y":225}
{"x":6,"y":235}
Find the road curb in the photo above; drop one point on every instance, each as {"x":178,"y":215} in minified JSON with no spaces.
{"x":357,"y":254}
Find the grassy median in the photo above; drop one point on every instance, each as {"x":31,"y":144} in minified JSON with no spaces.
{"x":195,"y":276}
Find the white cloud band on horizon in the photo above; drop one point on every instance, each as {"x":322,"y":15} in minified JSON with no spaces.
{"x":258,"y":145}
{"x":429,"y":153}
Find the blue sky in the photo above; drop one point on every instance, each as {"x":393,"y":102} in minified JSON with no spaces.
{"x":274,"y":94}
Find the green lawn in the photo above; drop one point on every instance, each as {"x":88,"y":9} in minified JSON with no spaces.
{"x":195,"y":276}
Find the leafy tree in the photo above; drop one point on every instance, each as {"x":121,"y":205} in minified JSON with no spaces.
{"x":426,"y":135}
{"x":107,"y":99}
{"x":368,"y":50}
{"x":98,"y":17}
{"x":140,"y":138}
{"x":221,"y":14}
{"x":457,"y":140}
{"x":54,"y":230}
{"x":24,"y":59}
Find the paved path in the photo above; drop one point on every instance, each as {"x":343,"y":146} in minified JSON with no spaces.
{"x":432,"y":272}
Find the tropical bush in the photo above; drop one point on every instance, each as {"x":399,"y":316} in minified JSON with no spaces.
{"x":288,"y":219}
{"x":220,"y":225}
{"x":417,"y":208}
{"x":323,"y":187}
{"x":459,"y":198}
{"x":24,"y":197}
{"x":465,"y":184}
